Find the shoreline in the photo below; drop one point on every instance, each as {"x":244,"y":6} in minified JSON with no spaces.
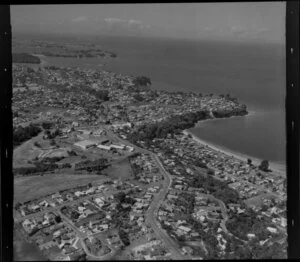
{"x":277,"y":168}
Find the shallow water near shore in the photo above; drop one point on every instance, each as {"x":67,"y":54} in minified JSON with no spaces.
{"x":255,"y":134}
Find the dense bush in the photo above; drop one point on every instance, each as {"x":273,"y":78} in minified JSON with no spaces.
{"x":217,"y":188}
{"x":25,"y":58}
{"x":100,"y":94}
{"x":142,"y":80}
{"x":172,"y":125}
{"x":241,"y":224}
{"x":264,"y":166}
{"x":47,"y":125}
{"x":124,"y":237}
{"x":138,"y":97}
{"x":22,"y":134}
{"x":97,"y":165}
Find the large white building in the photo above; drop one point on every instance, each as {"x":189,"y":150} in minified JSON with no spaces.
{"x":85,"y":144}
{"x":104,"y":147}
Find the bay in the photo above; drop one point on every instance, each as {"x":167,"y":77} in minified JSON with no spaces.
{"x":254,"y":73}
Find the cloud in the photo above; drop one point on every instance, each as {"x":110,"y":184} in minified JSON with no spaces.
{"x":208,"y":29}
{"x":248,"y":33}
{"x":237,"y":29}
{"x":134,"y":22}
{"x":112,"y":20}
{"x":79,"y":19}
{"x":130,"y":24}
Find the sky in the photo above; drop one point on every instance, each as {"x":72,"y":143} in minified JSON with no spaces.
{"x":244,"y":21}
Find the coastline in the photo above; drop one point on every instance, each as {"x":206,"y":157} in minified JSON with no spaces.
{"x":277,"y":168}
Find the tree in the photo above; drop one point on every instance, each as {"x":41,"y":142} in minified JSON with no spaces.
{"x":17,"y":206}
{"x":142,"y":80}
{"x":121,"y":196}
{"x":138,"y":97}
{"x":47,"y":125}
{"x":57,"y":219}
{"x":52,"y":142}
{"x":249,"y":161}
{"x":211,"y":172}
{"x":47,"y":133}
{"x":264,"y":166}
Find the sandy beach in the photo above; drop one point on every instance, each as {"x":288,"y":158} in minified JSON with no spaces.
{"x":277,"y":169}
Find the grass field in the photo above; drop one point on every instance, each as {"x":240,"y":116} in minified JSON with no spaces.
{"x":119,"y":169}
{"x":257,"y":200}
{"x":26,"y":151}
{"x":26,"y":188}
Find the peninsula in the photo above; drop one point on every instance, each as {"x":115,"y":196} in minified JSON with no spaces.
{"x":104,"y":169}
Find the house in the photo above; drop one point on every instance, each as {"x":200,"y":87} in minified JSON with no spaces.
{"x":187,"y":250}
{"x":121,"y":147}
{"x":75,"y":124}
{"x":79,"y":193}
{"x":272,"y":230}
{"x":99,"y":202}
{"x":56,"y":233}
{"x":184,"y":229}
{"x":250,"y":236}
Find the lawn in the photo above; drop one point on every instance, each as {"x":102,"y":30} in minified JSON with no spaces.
{"x":26,"y":151}
{"x":119,"y":169}
{"x":30,"y":187}
{"x":257,"y":200}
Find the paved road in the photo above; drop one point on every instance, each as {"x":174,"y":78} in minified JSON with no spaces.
{"x":155,"y":204}
{"x":151,"y":219}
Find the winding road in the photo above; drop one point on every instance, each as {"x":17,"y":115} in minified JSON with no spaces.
{"x":151,"y":214}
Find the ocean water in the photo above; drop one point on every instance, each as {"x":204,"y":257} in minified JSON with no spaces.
{"x":254,"y":73}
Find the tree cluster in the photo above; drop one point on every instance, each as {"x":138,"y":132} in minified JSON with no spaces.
{"x":51,"y":135}
{"x":241,"y":224}
{"x":124,"y":237}
{"x":90,"y":166}
{"x":241,"y":111}
{"x":217,"y":188}
{"x":264,"y":166}
{"x":45,"y":165}
{"x":138,"y":97}
{"x":25,"y":58}
{"x":172,"y":125}
{"x":99,"y":94}
{"x":47,"y":125}
{"x":22,"y":134}
{"x":142,"y":81}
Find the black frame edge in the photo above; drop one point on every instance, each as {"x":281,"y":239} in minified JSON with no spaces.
{"x":6,"y":177}
{"x":292,"y":127}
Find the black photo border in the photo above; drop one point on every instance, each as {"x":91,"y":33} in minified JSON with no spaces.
{"x":292,"y":127}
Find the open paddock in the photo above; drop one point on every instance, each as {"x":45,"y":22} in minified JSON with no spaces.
{"x":30,"y":187}
{"x":26,"y":151}
{"x":119,"y":170}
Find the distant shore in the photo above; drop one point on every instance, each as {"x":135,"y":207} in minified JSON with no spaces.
{"x":277,"y":168}
{"x":42,"y":58}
